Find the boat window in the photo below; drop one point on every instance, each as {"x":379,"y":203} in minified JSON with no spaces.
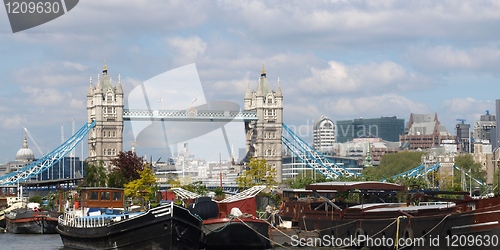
{"x":117,"y":196}
{"x":105,"y":195}
{"x":93,"y":196}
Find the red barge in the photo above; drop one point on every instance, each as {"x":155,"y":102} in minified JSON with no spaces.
{"x":231,"y":223}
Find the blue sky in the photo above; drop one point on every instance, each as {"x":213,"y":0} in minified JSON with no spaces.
{"x":341,"y":59}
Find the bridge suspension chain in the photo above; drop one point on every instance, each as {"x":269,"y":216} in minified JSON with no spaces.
{"x":312,"y":158}
{"x":48,"y":160}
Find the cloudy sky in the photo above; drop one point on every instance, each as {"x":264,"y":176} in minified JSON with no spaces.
{"x":341,"y":59}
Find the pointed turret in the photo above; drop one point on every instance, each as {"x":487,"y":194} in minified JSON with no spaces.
{"x":248,"y":95}
{"x":105,"y":68}
{"x":263,"y":87}
{"x":99,"y":87}
{"x":278,"y":90}
{"x":119,"y":88}
{"x":91,"y":88}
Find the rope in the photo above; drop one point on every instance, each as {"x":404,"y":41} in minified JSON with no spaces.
{"x":270,"y":240}
{"x":423,"y":236}
{"x":277,"y":229}
{"x":397,"y":231}
{"x":354,"y":221}
{"x":385,"y":227}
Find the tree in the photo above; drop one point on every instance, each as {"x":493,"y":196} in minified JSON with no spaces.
{"x":95,"y":175}
{"x":127,"y":168}
{"x":305,"y":178}
{"x":393,"y":164}
{"x":196,"y":187}
{"x":144,"y":187}
{"x":466,"y":163}
{"x":258,"y":172}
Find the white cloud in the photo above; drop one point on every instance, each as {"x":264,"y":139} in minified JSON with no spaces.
{"x":187,"y":50}
{"x":448,"y":59}
{"x":370,"y":78}
{"x":13,"y":122}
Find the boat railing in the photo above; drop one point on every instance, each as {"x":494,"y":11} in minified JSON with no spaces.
{"x":430,"y":203}
{"x":72,"y":220}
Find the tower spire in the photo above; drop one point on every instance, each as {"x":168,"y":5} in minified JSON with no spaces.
{"x":105,"y":68}
{"x":278,"y":91}
{"x":263,"y":73}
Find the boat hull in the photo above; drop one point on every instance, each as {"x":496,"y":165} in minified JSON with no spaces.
{"x":478,"y":229}
{"x":3,"y":222}
{"x":166,"y":227}
{"x":27,"y":222}
{"x":236,"y":233}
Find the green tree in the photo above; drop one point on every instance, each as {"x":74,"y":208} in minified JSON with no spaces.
{"x":127,"y":168}
{"x":219,"y":193}
{"x":196,"y":187}
{"x":144,"y":187}
{"x":305,"y":178}
{"x":393,"y":164}
{"x":95,"y":175}
{"x":258,"y":172}
{"x":466,"y":163}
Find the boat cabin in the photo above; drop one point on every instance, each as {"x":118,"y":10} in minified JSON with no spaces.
{"x":333,"y":198}
{"x":102,"y":197}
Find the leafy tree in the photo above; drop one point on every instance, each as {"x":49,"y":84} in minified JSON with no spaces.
{"x":127,"y":168}
{"x":412,"y":183}
{"x":219,"y":193}
{"x":116,"y":179}
{"x":95,"y":175}
{"x":196,"y":187}
{"x":144,"y":187}
{"x":466,"y":163}
{"x":36,"y":198}
{"x":258,"y":172}
{"x":393,"y":164}
{"x":174,"y":183}
{"x":305,"y":178}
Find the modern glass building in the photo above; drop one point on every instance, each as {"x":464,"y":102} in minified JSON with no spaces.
{"x":387,"y":128}
{"x":323,"y":134}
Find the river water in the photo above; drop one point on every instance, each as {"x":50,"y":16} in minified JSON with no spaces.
{"x":9,"y":241}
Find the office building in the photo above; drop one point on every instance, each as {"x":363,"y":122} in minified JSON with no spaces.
{"x":386,"y":128}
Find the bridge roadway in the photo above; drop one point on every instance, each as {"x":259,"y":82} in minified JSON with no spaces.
{"x":53,"y":185}
{"x":189,"y":115}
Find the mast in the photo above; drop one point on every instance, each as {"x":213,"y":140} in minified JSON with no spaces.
{"x":220,"y":170}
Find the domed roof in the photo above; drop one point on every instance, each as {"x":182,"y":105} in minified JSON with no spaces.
{"x":25,"y":154}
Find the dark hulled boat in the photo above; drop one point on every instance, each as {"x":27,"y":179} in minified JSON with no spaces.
{"x":31,"y":220}
{"x":236,"y":233}
{"x":164,"y":227}
{"x":426,"y":220}
{"x":230,"y":223}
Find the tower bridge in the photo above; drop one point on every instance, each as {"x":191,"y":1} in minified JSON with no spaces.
{"x":190,"y":115}
{"x":262,"y":118}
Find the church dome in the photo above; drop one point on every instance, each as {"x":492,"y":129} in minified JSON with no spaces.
{"x":25,"y":154}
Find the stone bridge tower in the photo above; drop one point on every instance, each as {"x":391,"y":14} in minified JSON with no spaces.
{"x":105,"y":106}
{"x":263,"y":137}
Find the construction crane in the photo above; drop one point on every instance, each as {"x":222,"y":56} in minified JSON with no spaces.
{"x":461,"y":120}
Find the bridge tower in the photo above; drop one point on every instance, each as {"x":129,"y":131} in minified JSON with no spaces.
{"x":105,"y":106}
{"x":263,"y":137}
